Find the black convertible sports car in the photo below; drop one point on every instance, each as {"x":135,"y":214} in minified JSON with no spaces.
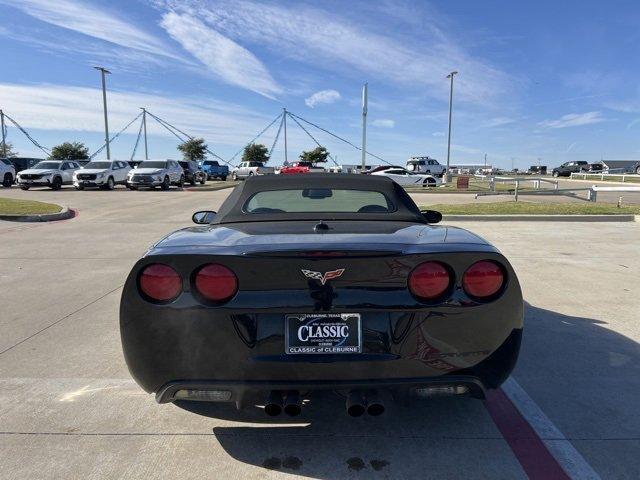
{"x":320,"y":282}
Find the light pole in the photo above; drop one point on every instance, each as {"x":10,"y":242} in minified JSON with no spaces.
{"x":104,"y":71}
{"x":3,"y":152}
{"x":144,"y":126}
{"x":451,"y":75}
{"x":365,"y":100}
{"x":284,"y":121}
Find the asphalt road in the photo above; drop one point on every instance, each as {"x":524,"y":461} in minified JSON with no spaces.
{"x":69,"y":409}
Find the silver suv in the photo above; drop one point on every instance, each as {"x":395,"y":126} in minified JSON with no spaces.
{"x":48,"y":173}
{"x":156,"y":173}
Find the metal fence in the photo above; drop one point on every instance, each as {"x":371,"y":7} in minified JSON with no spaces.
{"x":631,"y":177}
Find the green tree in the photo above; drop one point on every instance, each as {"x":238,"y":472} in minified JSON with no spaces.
{"x":70,"y":151}
{"x":317,"y":155}
{"x":193,"y":149}
{"x":6,"y":150}
{"x":255,"y":152}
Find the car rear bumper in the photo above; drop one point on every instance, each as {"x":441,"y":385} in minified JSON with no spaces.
{"x":167,"y":350}
{"x":243,"y":393}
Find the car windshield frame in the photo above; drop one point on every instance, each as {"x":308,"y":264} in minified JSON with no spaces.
{"x":40,"y":165}
{"x":162,"y":162}
{"x":302,"y":199}
{"x":404,"y":208}
{"x":88,"y":166}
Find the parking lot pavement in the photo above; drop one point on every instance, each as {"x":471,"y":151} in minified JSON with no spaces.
{"x":69,"y":409}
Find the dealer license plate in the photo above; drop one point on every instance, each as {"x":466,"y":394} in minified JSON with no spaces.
{"x":327,"y":333}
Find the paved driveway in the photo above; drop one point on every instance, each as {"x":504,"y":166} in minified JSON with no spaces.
{"x":69,"y":409}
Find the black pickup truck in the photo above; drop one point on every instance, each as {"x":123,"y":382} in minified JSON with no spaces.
{"x":567,"y":168}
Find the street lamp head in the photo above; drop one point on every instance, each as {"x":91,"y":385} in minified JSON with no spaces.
{"x":102,"y":69}
{"x":452,"y":74}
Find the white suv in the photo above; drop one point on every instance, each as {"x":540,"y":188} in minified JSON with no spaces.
{"x":48,"y":173}
{"x":426,"y":165}
{"x":104,"y":174}
{"x":156,"y":173}
{"x":7,"y":172}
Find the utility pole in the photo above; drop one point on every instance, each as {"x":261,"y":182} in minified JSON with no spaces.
{"x":284,"y":119}
{"x":364,"y":126}
{"x":512,"y":163}
{"x":448,"y":175}
{"x":485,"y":160}
{"x":4,"y":139}
{"x":104,"y":71}
{"x":144,"y":127}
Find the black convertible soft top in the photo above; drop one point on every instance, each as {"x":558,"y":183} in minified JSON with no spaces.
{"x":231,"y":211}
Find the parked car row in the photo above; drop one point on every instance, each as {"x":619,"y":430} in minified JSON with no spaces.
{"x":105,"y":174}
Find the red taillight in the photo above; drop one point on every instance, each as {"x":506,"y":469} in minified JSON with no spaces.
{"x":483,"y":279}
{"x":160,"y":282}
{"x":216,"y":282}
{"x":429,"y":280}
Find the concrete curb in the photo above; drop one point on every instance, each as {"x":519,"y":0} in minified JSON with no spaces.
{"x":205,"y":189}
{"x":541,"y":218}
{"x":63,"y":214}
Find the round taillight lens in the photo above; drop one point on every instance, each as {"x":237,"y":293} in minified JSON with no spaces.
{"x":483,"y":279}
{"x":160,"y":282}
{"x":216,"y":282}
{"x":429,"y":280}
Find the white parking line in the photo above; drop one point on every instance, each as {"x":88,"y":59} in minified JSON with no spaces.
{"x":562,"y":450}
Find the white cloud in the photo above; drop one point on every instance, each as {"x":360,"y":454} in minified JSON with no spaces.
{"x":223,"y":57}
{"x":498,"y":122}
{"x":91,"y":20}
{"x":574,"y":120}
{"x":384,"y":123}
{"x":571,"y":147}
{"x":343,"y":45}
{"x":67,"y":108}
{"x":323,"y":96}
{"x":438,"y":134}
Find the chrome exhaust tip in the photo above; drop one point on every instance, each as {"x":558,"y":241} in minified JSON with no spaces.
{"x":292,"y":404}
{"x":355,"y":403}
{"x":273,"y":405}
{"x":375,"y":405}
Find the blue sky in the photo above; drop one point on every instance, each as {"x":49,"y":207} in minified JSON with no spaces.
{"x":550,"y":80}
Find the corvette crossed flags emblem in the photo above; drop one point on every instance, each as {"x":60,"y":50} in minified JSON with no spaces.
{"x":323,"y":278}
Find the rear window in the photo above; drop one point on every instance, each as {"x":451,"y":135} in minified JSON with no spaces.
{"x":318,"y":200}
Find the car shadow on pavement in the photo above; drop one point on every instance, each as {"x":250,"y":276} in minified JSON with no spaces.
{"x":584,"y":376}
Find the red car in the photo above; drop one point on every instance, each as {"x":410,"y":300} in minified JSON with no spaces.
{"x":300,"y":167}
